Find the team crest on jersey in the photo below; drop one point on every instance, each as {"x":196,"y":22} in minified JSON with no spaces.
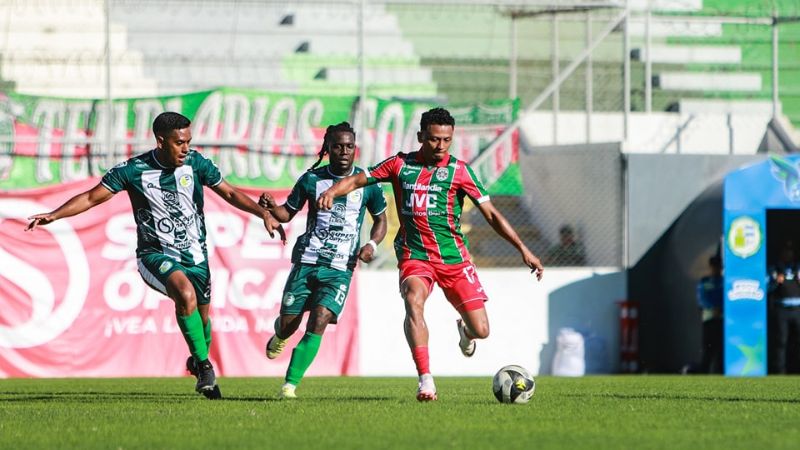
{"x":288,"y":299}
{"x":164,"y":267}
{"x":185,"y":180}
{"x":442,"y":173}
{"x":354,"y":196}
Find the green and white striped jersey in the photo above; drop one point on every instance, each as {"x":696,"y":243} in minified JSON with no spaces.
{"x":167,"y":203}
{"x":332,"y":236}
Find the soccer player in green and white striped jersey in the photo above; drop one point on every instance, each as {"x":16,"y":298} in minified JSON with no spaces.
{"x":325,"y":256}
{"x":165,"y":187}
{"x":429,"y":189}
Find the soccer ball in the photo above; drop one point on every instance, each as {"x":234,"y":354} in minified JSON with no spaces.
{"x":513,"y":384}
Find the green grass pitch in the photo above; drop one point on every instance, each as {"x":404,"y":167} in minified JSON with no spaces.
{"x":615,"y":412}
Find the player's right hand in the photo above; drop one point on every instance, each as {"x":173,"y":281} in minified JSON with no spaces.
{"x":325,"y":200}
{"x":39,"y":219}
{"x":266,"y":200}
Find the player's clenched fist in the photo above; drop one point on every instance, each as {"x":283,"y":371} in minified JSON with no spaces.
{"x":325,"y":200}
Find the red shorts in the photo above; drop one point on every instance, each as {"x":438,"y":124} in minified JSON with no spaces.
{"x":460,"y":282}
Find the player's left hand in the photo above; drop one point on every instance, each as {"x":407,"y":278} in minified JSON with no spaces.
{"x":366,"y":254}
{"x":533,"y":262}
{"x":273,"y":225}
{"x":39,"y":219}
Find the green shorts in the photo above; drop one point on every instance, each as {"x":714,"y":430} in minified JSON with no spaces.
{"x":155,"y":268}
{"x":309,"y":286}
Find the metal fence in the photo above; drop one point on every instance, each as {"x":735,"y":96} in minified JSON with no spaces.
{"x":590,"y":56}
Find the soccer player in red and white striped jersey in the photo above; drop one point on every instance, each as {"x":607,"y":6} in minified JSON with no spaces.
{"x":429,"y":190}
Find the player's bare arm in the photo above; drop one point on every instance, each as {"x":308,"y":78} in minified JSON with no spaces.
{"x":279,"y":212}
{"x":506,"y":231}
{"x":71,"y":207}
{"x":376,"y":235}
{"x":241,"y":201}
{"x":342,"y":187}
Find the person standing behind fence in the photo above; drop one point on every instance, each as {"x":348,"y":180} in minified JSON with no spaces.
{"x":709,"y":298}
{"x":784,"y":293}
{"x":165,"y":187}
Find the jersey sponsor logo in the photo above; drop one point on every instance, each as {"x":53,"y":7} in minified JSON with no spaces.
{"x":421,"y":200}
{"x":185,"y":180}
{"x":442,"y":173}
{"x":409,"y":170}
{"x":422,"y":187}
{"x":164,"y":267}
{"x":120,"y":165}
{"x":354,"y":196}
{"x":47,"y":319}
{"x":321,"y":233}
{"x":338,"y":214}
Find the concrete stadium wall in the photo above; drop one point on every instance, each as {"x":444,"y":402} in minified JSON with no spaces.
{"x":524,"y":315}
{"x":675,"y":224}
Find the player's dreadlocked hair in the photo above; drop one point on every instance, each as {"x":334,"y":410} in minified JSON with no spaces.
{"x":168,"y":121}
{"x":436,"y":116}
{"x":338,"y":128}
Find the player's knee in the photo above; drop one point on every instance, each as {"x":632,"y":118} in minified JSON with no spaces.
{"x":480,"y":331}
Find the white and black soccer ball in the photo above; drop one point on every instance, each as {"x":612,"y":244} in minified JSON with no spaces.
{"x":513,"y":384}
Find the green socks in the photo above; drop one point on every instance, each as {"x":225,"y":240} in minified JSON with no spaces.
{"x":207,"y":333}
{"x":194,"y":333}
{"x":302,"y":356}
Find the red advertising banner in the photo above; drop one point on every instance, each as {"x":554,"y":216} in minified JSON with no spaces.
{"x":74,"y":305}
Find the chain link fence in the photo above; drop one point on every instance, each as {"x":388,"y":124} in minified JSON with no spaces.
{"x":447,"y":52}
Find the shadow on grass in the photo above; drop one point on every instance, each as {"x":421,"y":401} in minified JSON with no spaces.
{"x":620,"y":396}
{"x":92,"y":397}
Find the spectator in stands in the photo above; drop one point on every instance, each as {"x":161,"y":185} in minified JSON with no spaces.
{"x":568,"y":252}
{"x":709,"y":298}
{"x":165,"y":189}
{"x":784,"y":298}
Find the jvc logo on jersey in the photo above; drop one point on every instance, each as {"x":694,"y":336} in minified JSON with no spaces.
{"x":421,"y":200}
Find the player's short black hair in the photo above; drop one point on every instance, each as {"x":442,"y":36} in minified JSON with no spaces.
{"x":342,"y":127}
{"x":436,"y":116}
{"x":168,"y":121}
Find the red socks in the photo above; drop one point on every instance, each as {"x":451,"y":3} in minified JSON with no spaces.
{"x":421,"y":360}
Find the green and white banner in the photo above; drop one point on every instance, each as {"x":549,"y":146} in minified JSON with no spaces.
{"x":258,"y":138}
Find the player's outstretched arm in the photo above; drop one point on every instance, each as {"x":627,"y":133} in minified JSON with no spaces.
{"x":71,"y":207}
{"x":279,"y":212}
{"x":376,"y":235}
{"x":241,"y":201}
{"x":504,"y":229}
{"x":342,"y":187}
